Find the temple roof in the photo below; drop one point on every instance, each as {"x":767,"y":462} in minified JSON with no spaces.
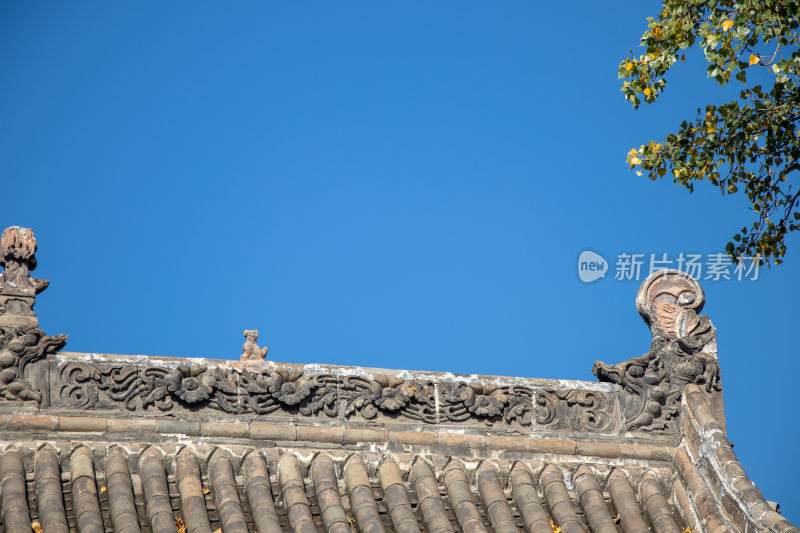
{"x":99,"y":442}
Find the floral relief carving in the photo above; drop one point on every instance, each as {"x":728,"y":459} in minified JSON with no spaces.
{"x":392,"y":396}
{"x":486,"y":403}
{"x":192,"y":385}
{"x":292,"y":392}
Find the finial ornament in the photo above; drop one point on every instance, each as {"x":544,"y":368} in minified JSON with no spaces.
{"x":683,"y":351}
{"x":669,"y":301}
{"x":18,"y":289}
{"x":251,"y":350}
{"x":22,"y":343}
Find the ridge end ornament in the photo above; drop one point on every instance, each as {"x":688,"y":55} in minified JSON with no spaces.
{"x":683,"y":351}
{"x":22,"y":344}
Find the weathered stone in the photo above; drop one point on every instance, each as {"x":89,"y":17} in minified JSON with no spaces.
{"x":181,"y":427}
{"x":461,"y":440}
{"x":224,"y":429}
{"x":598,"y":449}
{"x":34,"y":422}
{"x":683,"y":352}
{"x":82,"y":423}
{"x":321,"y":434}
{"x":565,"y":447}
{"x":356,"y":435}
{"x":272,"y":432}
{"x":127,"y":425}
{"x":413,"y":438}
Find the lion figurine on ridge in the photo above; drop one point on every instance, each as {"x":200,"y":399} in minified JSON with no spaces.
{"x":251,"y":350}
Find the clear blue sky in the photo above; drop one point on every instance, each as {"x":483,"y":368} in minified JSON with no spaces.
{"x":396,"y":185}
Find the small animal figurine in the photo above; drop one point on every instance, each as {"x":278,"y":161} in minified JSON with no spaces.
{"x":251,"y":350}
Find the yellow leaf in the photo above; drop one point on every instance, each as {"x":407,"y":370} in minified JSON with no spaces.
{"x":635,"y":161}
{"x":711,"y":128}
{"x":628,"y":66}
{"x":647,"y":91}
{"x":753,"y":59}
{"x":36,"y":527}
{"x":102,"y":490}
{"x":616,"y":519}
{"x":632,"y":152}
{"x":206,"y":490}
{"x":638,"y":172}
{"x":218,"y":530}
{"x":728,"y":24}
{"x":657,"y":32}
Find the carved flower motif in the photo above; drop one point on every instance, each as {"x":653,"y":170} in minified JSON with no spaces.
{"x":482,"y":403}
{"x":290,"y":392}
{"x":191,"y":384}
{"x":392,"y":399}
{"x":486,"y":406}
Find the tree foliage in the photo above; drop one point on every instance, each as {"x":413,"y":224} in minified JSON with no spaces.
{"x":748,"y":146}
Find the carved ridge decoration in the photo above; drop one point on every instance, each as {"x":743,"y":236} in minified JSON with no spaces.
{"x":683,"y":351}
{"x":292,"y":392}
{"x":22,"y":343}
{"x":19,"y":347}
{"x":578,"y":410}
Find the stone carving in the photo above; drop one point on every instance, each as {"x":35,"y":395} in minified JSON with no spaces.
{"x":392,"y":396}
{"x":19,"y":347}
{"x":487,"y":403}
{"x":18,"y":289}
{"x":576,"y":410}
{"x":192,"y":385}
{"x":251,"y":350}
{"x":22,"y":343}
{"x":293,"y":392}
{"x":683,"y":351}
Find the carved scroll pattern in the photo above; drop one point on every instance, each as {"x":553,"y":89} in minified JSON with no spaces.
{"x":291,"y":392}
{"x":20,"y":346}
{"x":576,"y":410}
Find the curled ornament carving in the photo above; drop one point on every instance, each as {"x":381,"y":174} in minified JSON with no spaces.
{"x":23,"y":346}
{"x":486,"y":403}
{"x":84,"y":385}
{"x":294,"y":392}
{"x":683,"y":351}
{"x":20,"y":348}
{"x":575,"y":410}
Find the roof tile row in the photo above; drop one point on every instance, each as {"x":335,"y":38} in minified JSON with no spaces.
{"x":138,"y":495}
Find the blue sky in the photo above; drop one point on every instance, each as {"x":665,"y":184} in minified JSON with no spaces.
{"x":402,"y":185}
